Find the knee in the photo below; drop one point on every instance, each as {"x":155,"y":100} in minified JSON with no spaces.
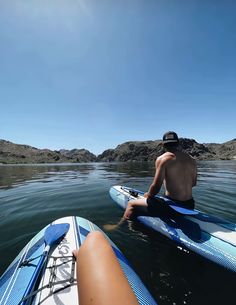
{"x":93,"y":241}
{"x":94,"y":237}
{"x":130,"y":204}
{"x":95,"y":246}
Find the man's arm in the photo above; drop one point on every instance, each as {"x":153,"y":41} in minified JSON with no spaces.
{"x":158,"y":178}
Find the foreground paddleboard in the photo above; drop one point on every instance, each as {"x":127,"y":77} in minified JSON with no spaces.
{"x":57,"y":281}
{"x":209,"y":236}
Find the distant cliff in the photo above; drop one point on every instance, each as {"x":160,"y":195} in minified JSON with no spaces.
{"x":11,"y":153}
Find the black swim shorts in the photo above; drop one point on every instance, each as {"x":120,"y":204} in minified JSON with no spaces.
{"x":158,"y":206}
{"x":188,"y":204}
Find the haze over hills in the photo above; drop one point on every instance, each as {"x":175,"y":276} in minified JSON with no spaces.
{"x":11,"y":153}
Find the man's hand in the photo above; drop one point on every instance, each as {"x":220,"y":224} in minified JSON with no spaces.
{"x":146,"y":195}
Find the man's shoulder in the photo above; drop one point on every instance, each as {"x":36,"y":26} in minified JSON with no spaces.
{"x":166,"y":157}
{"x":168,"y":154}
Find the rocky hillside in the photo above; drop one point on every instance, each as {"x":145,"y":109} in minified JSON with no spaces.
{"x":11,"y":153}
{"x":132,"y":151}
{"x":224,"y":151}
{"x":149,"y":150}
{"x":78,"y":155}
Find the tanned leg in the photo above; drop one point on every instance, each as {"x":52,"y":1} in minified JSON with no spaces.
{"x":100,"y":278}
{"x":134,"y":206}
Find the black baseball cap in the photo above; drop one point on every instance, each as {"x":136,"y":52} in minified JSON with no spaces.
{"x":170,"y":137}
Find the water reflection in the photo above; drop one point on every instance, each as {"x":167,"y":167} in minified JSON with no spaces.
{"x":11,"y":175}
{"x":133,"y":169}
{"x":214,"y":193}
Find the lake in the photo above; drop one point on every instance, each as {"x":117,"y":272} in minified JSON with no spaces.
{"x":31,"y":196}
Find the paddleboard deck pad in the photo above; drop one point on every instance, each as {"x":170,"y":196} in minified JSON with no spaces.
{"x":57,"y":280}
{"x":209,"y":236}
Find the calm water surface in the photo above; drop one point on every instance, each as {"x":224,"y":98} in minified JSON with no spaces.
{"x":31,"y":196}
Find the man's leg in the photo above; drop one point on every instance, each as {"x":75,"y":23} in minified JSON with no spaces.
{"x":138,"y":206}
{"x":134,"y":208}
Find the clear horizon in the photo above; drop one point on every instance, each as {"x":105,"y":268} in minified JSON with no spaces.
{"x":93,"y":75}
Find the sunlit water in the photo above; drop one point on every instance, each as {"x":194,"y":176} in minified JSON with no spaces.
{"x":31,"y":196}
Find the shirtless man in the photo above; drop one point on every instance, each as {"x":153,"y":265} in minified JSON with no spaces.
{"x":177,"y":171}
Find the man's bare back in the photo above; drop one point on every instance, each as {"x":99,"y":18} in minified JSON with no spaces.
{"x":178,"y":172}
{"x":175,"y":169}
{"x":180,"y":175}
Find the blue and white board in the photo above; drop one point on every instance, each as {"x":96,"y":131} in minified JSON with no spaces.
{"x":209,"y":236}
{"x":57,"y":282}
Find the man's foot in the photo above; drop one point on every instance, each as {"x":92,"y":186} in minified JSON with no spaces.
{"x":110,"y":227}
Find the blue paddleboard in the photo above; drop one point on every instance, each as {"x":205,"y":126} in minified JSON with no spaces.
{"x":56,"y":281}
{"x":209,"y":236}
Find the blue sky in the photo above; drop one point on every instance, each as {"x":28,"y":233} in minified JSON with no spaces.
{"x":94,"y":74}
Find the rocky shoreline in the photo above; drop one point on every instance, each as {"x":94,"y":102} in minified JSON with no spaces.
{"x":11,"y":153}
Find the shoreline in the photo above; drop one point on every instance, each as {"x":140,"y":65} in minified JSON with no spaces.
{"x":101,"y":162}
{"x":132,"y":151}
